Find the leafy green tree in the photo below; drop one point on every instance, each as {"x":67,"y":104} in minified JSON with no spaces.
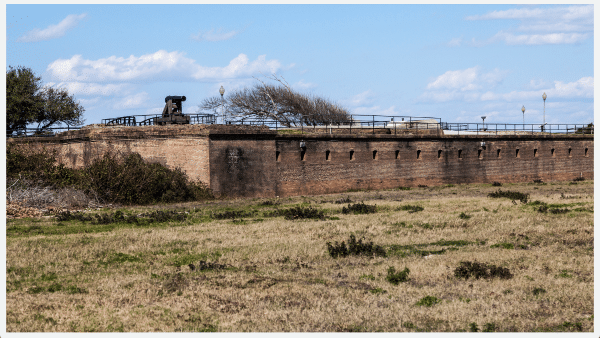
{"x":28,"y":102}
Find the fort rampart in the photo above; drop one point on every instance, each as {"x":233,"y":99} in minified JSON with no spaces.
{"x":243,"y":161}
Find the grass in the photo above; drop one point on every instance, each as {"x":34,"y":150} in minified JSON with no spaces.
{"x":205,"y":274}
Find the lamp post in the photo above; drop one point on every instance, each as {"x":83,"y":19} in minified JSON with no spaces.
{"x":544,"y":97}
{"x":483,"y":119}
{"x":523,"y":110}
{"x":222,"y":91}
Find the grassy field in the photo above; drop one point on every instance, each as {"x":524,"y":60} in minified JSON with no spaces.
{"x":242,"y":265}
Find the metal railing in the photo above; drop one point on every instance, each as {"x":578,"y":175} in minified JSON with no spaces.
{"x":35,"y":132}
{"x":356,"y":122}
{"x":149,"y":119}
{"x":515,"y":129}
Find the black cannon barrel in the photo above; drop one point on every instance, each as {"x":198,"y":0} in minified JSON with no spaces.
{"x":170,"y":97}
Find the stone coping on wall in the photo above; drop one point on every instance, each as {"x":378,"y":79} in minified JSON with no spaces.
{"x":101,"y":132}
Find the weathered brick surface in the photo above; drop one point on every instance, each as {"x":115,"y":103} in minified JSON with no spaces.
{"x":256,"y":162}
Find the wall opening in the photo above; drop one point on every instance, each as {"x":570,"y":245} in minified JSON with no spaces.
{"x":351,"y":155}
{"x":586,"y":152}
{"x":535,"y":153}
{"x":569,"y":152}
{"x":375,"y":156}
{"x":397,"y":154}
{"x":479,"y":154}
{"x":327,"y":155}
{"x":517,"y":153}
{"x":552,"y":152}
{"x":418,"y":154}
{"x":459,"y":153}
{"x":498,"y":153}
{"x":439,"y":154}
{"x":278,"y":156}
{"x":303,"y":155}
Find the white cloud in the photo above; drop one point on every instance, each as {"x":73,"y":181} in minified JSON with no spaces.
{"x":213,"y":35}
{"x":304,"y":85}
{"x":138,"y":100}
{"x":89,"y":89}
{"x":456,"y":42}
{"x":161,"y":65}
{"x":556,"y":25}
{"x":467,"y":79}
{"x":52,"y":31}
{"x":540,"y":39}
{"x":455,"y":86}
{"x":362,"y":99}
{"x":557,"y":14}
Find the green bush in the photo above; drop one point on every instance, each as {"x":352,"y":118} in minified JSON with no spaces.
{"x":354,"y":248}
{"x":359,"y":208}
{"x":513,"y":195}
{"x":113,"y":178}
{"x":428,"y":301}
{"x":397,"y":277}
{"x":481,"y":270}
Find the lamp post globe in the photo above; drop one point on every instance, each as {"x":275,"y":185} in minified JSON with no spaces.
{"x":222,"y":91}
{"x":544,"y":97}
{"x":523,"y":110}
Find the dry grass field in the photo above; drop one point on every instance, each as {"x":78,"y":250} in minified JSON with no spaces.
{"x":253,"y":270}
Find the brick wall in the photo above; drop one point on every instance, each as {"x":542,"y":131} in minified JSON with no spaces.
{"x":255,"y":162}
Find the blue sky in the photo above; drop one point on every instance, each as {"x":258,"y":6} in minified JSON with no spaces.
{"x":455,"y":62}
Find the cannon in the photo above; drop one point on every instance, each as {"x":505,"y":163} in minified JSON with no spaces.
{"x":173,"y":112}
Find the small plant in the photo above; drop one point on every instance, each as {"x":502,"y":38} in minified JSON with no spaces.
{"x":303,"y":213}
{"x":422,"y":186}
{"x":408,"y":325}
{"x":489,"y":327}
{"x":538,"y":181}
{"x":473,"y":327}
{"x":579,"y":179}
{"x":411,"y":208}
{"x":203,"y":266}
{"x":403,"y":188}
{"x":503,"y":245}
{"x":231,"y":214}
{"x":397,"y":277}
{"x":428,"y":301}
{"x":513,"y":195}
{"x":377,"y":290}
{"x":464,"y":216}
{"x":369,"y":277}
{"x":538,"y":291}
{"x":565,"y":274}
{"x":354,"y":248}
{"x":359,"y":208}
{"x":496,"y":184}
{"x":343,"y":200}
{"x":481,"y":270}
{"x":558,"y":211}
{"x":269,"y":203}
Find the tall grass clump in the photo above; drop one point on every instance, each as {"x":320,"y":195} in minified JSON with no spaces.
{"x":354,"y":248}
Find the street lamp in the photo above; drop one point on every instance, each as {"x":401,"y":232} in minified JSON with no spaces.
{"x":483,"y":119}
{"x":222,"y":91}
{"x":544,"y":97}
{"x":523,"y":110}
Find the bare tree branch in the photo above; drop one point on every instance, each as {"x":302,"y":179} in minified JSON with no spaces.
{"x":280,"y":103}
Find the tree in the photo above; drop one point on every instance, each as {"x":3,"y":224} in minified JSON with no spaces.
{"x":280,"y":103}
{"x":28,"y":102}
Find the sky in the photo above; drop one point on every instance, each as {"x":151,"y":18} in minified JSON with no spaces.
{"x":453,"y":62}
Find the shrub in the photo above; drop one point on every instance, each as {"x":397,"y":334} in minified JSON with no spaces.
{"x":514,"y":195}
{"x":359,"y":208}
{"x":464,"y":216}
{"x":559,"y":211}
{"x":302,"y":213}
{"x":473,"y":327}
{"x":411,"y":208}
{"x":496,"y":184}
{"x":578,"y":179}
{"x":343,"y":200}
{"x":231,"y":214}
{"x":397,"y":277}
{"x":538,"y":291}
{"x":428,"y":301}
{"x":481,"y":270}
{"x":354,"y":248}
